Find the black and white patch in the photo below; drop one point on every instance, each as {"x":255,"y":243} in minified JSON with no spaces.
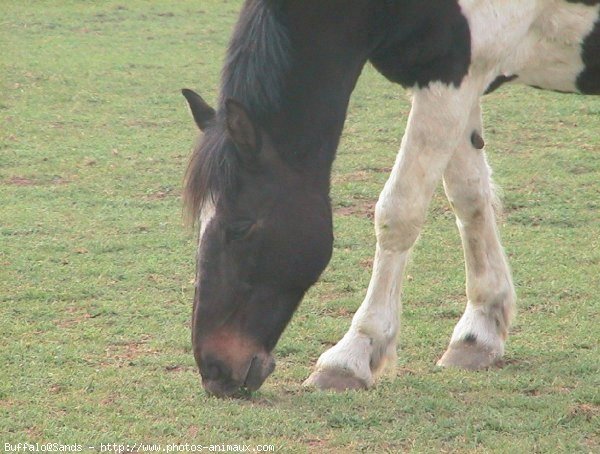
{"x":588,"y":80}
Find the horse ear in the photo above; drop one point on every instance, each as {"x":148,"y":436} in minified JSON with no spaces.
{"x":240,"y":127}
{"x":203,"y":114}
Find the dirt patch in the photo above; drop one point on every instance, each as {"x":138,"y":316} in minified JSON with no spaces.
{"x":587,"y":411}
{"x":162,"y":194}
{"x":125,"y":354}
{"x":109,"y":400}
{"x":21,"y":181}
{"x":25,"y":181}
{"x":33,"y":432}
{"x":76,"y":316}
{"x":367,"y":264}
{"x":178,"y":368}
{"x":74,"y":321}
{"x":359,"y":175}
{"x":7,"y":404}
{"x":337,"y":312}
{"x":361,"y":207}
{"x":315,"y":443}
{"x":56,"y":389}
{"x":592,"y":443}
{"x":516,"y":362}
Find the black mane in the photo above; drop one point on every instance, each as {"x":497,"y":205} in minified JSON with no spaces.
{"x":257,"y":61}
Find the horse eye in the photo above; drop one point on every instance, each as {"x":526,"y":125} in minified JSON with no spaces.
{"x":238,"y":230}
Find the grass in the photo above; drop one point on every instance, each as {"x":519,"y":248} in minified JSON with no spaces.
{"x":96,"y":267}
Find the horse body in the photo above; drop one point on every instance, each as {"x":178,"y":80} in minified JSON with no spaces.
{"x":260,"y":177}
{"x":546,"y":44}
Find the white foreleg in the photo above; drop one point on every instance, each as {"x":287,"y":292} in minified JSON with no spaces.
{"x":478,"y":339}
{"x":436,"y":125}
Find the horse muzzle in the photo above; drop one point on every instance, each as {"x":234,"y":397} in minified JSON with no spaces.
{"x":219,"y":380}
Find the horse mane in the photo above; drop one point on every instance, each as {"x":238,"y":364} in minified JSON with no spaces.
{"x":257,"y":61}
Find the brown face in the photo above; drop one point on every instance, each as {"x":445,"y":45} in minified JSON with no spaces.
{"x":265,"y":245}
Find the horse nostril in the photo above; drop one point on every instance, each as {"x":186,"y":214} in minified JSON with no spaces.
{"x":259,"y":370}
{"x":212,"y":370}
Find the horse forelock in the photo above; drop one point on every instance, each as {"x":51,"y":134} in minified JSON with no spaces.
{"x":211,"y":173}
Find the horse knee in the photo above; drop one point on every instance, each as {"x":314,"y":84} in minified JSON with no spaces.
{"x":397,"y":227}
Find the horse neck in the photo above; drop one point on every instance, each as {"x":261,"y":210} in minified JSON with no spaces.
{"x":307,"y":127}
{"x":299,"y":73}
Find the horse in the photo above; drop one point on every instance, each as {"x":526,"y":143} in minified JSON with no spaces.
{"x":258,"y":181}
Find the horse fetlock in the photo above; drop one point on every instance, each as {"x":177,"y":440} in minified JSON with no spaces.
{"x":383,"y":355}
{"x":478,"y":338}
{"x":353,"y":363}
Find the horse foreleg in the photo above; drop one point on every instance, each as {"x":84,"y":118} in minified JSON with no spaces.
{"x":436,"y":124}
{"x":479,"y":337}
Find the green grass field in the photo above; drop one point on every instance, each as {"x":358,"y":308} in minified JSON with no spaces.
{"x":96,"y":267}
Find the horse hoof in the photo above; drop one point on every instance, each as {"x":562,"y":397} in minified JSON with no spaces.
{"x":469,"y":355}
{"x":334,"y":380}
